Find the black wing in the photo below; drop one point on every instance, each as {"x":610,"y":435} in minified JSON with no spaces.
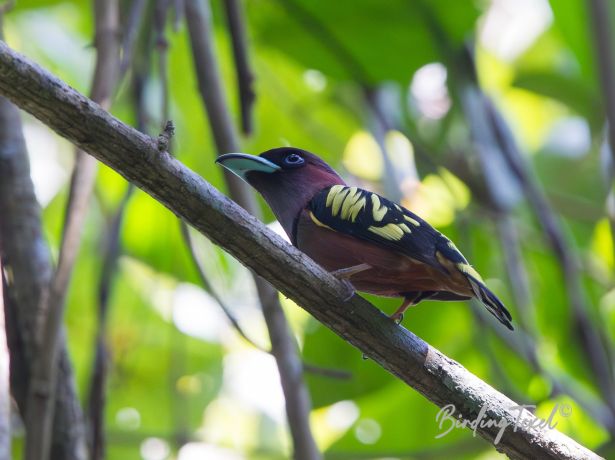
{"x":373,"y":218}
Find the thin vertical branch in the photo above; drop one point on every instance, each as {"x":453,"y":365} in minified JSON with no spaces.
{"x":165,"y":143}
{"x":590,"y":336}
{"x":245,"y":77}
{"x":298,"y":404}
{"x":211,"y":291}
{"x":27,"y":273}
{"x":130,"y":34}
{"x":162,"y":46}
{"x":332,"y":373}
{"x":5,"y":397}
{"x":98,"y":380}
{"x":112,"y":250}
{"x":39,"y":414}
{"x":605,"y":60}
{"x":212,"y":93}
{"x":391,"y":181}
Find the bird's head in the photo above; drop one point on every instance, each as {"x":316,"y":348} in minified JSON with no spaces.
{"x":287,"y":178}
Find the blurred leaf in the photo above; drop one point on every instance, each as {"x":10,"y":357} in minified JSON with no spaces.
{"x":571,"y":91}
{"x":410,"y":42}
{"x":572,"y":21}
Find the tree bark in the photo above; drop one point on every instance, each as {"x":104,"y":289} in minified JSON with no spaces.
{"x":27,"y":268}
{"x":135,"y":156}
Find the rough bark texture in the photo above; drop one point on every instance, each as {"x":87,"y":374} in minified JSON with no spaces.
{"x":135,"y":156}
{"x":25,"y":258}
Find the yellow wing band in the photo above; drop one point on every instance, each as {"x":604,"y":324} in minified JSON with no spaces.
{"x":391,"y":232}
{"x":317,"y":222}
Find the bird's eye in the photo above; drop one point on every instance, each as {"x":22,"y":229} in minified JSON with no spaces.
{"x":293,"y":160}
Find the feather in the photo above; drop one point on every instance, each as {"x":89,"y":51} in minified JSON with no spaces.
{"x":490,"y":301}
{"x":373,"y":218}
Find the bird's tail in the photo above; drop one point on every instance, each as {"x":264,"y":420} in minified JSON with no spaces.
{"x":491,"y":302}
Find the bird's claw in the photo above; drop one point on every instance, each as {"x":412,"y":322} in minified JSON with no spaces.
{"x":397,"y":317}
{"x":349,"y":289}
{"x":347,"y":273}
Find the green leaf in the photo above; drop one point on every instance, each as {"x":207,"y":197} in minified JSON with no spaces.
{"x":369,"y":43}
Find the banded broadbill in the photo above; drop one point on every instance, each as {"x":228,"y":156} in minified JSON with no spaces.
{"x":377,"y":245}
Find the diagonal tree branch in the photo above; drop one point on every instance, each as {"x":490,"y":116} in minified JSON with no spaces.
{"x":136,"y":157}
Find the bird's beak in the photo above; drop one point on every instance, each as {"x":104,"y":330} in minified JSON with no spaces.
{"x":241,"y":164}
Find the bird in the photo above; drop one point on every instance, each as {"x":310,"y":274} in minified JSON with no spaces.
{"x":376,"y":245}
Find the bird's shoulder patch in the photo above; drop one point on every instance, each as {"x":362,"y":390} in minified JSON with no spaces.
{"x":369,"y":216}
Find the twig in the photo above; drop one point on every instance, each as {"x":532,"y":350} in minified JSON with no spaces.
{"x":391,"y":181}
{"x":282,"y":344}
{"x":162,"y":46}
{"x":239,"y":39}
{"x":39,"y":414}
{"x":605,"y":60}
{"x":136,"y":157}
{"x":178,"y":6}
{"x":165,"y":137}
{"x":130,"y":34}
{"x":96,"y":398}
{"x":5,"y":397}
{"x":211,"y":291}
{"x":309,"y":368}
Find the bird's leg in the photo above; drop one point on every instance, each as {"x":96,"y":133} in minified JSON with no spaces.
{"x":410,"y":299}
{"x":398,"y":316}
{"x":344,"y":274}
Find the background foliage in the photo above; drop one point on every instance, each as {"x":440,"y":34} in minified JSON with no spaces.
{"x":183,"y":384}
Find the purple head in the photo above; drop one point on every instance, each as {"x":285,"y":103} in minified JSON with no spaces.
{"x":286,"y":177}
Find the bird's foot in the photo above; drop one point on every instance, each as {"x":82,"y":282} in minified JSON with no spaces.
{"x":350,"y":290}
{"x":347,"y":273}
{"x":344,"y":274}
{"x":397,"y":317}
